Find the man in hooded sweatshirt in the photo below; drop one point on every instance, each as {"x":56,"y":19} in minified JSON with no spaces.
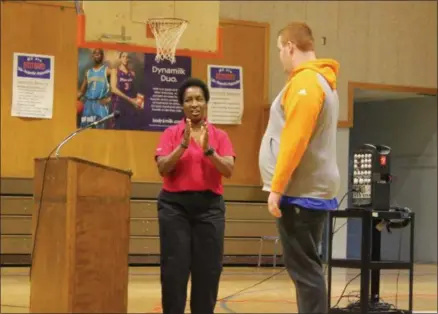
{"x":298,"y":161}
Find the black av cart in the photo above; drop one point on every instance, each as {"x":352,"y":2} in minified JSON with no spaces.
{"x":370,"y":262}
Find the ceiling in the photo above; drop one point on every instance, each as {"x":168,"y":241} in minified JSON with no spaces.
{"x":366,"y":95}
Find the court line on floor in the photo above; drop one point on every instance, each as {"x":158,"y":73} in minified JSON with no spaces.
{"x":224,"y":302}
{"x":15,"y":306}
{"x":249,"y":273}
{"x":225,"y":306}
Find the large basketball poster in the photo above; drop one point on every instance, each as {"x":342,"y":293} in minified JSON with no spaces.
{"x":143,"y":91}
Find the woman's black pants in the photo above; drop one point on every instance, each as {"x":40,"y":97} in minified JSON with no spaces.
{"x":192,"y":226}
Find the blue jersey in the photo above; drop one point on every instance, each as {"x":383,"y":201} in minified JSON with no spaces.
{"x":98,"y":86}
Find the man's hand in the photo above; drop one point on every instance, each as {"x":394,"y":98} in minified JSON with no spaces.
{"x":274,"y":203}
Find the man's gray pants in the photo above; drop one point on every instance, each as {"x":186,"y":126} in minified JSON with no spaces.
{"x":301,"y":234}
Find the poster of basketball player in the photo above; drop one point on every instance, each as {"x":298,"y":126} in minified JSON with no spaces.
{"x":142,"y":90}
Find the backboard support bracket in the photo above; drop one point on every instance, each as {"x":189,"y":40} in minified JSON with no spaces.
{"x":122,"y":37}
{"x":82,"y":43}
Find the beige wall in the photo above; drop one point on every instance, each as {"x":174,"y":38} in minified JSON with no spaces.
{"x":122,"y":149}
{"x":385,"y":42}
{"x":376,"y":42}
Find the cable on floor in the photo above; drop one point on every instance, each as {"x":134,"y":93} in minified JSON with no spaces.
{"x":381,"y":305}
{"x":398,"y":272}
{"x":283,"y":269}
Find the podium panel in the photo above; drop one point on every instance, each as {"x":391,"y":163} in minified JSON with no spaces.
{"x":80,"y":237}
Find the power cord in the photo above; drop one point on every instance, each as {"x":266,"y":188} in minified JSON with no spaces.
{"x":336,"y":230}
{"x":334,"y":223}
{"x":382,"y":305}
{"x":355,"y":306}
{"x":398,"y":272}
{"x":250,"y":287}
{"x":38,"y":211}
{"x":222,"y":299}
{"x":345,"y":288}
{"x":283,"y":269}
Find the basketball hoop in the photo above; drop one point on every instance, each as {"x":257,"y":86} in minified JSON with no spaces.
{"x":167,"y":32}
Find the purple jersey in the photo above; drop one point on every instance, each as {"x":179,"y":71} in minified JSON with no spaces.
{"x":125,"y":83}
{"x":130,"y":117}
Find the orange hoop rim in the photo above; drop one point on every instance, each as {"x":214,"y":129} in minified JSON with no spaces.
{"x":166,"y":18}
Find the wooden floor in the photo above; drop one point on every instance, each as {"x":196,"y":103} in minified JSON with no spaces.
{"x":275,"y":295}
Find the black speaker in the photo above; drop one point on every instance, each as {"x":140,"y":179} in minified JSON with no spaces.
{"x":370,"y":177}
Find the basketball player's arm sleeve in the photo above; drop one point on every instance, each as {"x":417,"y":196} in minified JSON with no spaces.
{"x":83,"y":88}
{"x":302,"y":103}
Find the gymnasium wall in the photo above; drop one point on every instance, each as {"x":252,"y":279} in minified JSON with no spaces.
{"x":409,"y":127}
{"x":122,"y":149}
{"x":370,"y":47}
{"x":384,"y":42}
{"x":245,"y":44}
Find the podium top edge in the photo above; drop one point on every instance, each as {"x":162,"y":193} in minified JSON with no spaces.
{"x":87,"y":162}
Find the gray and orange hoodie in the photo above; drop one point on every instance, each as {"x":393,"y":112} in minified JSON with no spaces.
{"x":297,"y":156}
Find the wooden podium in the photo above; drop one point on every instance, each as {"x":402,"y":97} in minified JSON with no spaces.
{"x":81,"y":242}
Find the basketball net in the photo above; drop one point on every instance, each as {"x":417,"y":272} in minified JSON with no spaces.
{"x":167,"y":32}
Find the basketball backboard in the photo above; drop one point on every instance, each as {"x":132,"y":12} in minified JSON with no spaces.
{"x":122,"y":25}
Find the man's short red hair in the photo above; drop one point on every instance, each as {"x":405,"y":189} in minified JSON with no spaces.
{"x":298,"y":33}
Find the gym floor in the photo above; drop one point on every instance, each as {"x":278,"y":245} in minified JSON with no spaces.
{"x":275,"y":295}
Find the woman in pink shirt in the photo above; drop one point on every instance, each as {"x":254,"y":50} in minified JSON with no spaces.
{"x":192,"y":157}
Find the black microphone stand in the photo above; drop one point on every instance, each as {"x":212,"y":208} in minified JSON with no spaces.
{"x":115,"y":114}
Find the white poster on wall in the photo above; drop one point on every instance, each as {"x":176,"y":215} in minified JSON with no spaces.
{"x":226,"y":94}
{"x":33,"y":86}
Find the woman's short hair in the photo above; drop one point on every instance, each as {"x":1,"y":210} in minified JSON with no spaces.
{"x":193,"y":82}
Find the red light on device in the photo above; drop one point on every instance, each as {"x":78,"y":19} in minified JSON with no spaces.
{"x":383,"y":160}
